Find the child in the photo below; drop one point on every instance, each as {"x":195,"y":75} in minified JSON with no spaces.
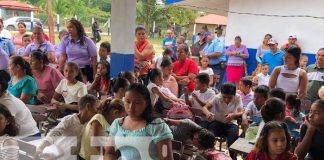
{"x":205,"y":69}
{"x":321,"y":92}
{"x":272,"y":110}
{"x":119,"y":88}
{"x":154,"y":88}
{"x":167,"y":53}
{"x":104,"y":51}
{"x":97,"y":126}
{"x":188,"y":132}
{"x":312,"y":133}
{"x":101,"y":82}
{"x":245,"y":91}
{"x":71,"y":88}
{"x":274,"y":143}
{"x":168,"y":80}
{"x":263,"y":77}
{"x":278,"y":93}
{"x":129,"y":76}
{"x":140,"y":128}
{"x":8,"y":146}
{"x":202,"y":93}
{"x":257,"y":70}
{"x":26,"y":40}
{"x":71,"y":126}
{"x":293,"y":105}
{"x":303,"y":62}
{"x":222,"y":112}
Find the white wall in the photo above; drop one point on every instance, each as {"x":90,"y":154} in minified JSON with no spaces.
{"x":309,"y":31}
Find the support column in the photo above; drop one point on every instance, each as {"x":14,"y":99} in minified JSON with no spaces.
{"x":123,"y":16}
{"x":31,"y":21}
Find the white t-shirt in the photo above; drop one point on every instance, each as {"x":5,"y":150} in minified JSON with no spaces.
{"x":263,"y":79}
{"x":252,"y":110}
{"x":71,"y":93}
{"x":159,"y":61}
{"x":221,"y":109}
{"x":23,"y":116}
{"x":154,"y":97}
{"x":204,"y":97}
{"x":5,"y":33}
{"x":209,"y":71}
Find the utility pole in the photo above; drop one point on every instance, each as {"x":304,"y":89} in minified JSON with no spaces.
{"x":50,"y":21}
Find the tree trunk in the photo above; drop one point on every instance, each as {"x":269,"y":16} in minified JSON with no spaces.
{"x":50,"y":21}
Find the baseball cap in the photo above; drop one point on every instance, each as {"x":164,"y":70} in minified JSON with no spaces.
{"x":292,"y":36}
{"x":207,"y":34}
{"x":272,"y":41}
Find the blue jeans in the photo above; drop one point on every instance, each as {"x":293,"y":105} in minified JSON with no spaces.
{"x":228,"y":131}
{"x":218,"y":73}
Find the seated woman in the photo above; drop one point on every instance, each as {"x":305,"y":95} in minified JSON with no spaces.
{"x":47,"y":78}
{"x":71,"y":88}
{"x":22,"y":85}
{"x":139,"y":135}
{"x":8,"y":146}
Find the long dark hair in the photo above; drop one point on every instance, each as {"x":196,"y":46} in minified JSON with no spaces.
{"x":142,"y":90}
{"x":294,"y":102}
{"x":17,"y":60}
{"x":295,"y":52}
{"x":107,"y":65}
{"x":12,"y":127}
{"x":80,"y":30}
{"x":262,"y":145}
{"x":40,"y":56}
{"x":76,"y":68}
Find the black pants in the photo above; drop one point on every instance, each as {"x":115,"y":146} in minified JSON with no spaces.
{"x":97,"y":37}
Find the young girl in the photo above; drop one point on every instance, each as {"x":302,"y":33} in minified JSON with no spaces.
{"x":168,"y":80}
{"x":273,"y":144}
{"x":119,"y":88}
{"x":293,"y":105}
{"x":133,"y":134}
{"x":71,"y":88}
{"x":8,"y":147}
{"x":102,"y":80}
{"x":155,"y":89}
{"x":205,"y":69}
{"x":312,"y":133}
{"x":104,"y":51}
{"x":97,"y":126}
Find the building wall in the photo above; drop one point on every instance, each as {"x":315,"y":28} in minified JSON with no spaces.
{"x":252,"y":28}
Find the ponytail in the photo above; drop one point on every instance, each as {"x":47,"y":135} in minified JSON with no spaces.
{"x":17,"y":60}
{"x":111,"y":104}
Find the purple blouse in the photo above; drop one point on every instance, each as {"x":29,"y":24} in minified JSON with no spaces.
{"x":46,"y":46}
{"x":235,"y":60}
{"x":77,"y":53}
{"x":4,"y":59}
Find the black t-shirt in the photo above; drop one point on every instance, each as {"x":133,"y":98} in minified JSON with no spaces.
{"x":316,"y":149}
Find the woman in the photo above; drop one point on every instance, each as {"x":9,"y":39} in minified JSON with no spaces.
{"x":40,"y":43}
{"x":22,"y":85}
{"x":185,"y":69}
{"x":139,"y":135}
{"x":263,"y":48}
{"x":8,"y":146}
{"x":144,"y":53}
{"x":47,"y":78}
{"x":16,"y":39}
{"x":78,"y":48}
{"x":290,"y":77}
{"x":235,"y":66}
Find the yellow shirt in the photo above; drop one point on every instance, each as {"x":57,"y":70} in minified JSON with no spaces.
{"x":86,"y":150}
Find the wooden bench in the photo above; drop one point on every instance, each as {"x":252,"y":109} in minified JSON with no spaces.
{"x":242,"y":146}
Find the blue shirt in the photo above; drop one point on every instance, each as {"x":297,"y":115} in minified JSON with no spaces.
{"x":213,"y":47}
{"x":168,"y":41}
{"x":273,"y":60}
{"x":27,"y":85}
{"x":7,"y":46}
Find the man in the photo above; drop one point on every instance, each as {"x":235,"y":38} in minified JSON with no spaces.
{"x":168,"y":41}
{"x":3,"y":32}
{"x":219,"y":36}
{"x":215,"y":52}
{"x":95,"y":31}
{"x":199,"y":45}
{"x":315,"y":74}
{"x":273,"y":57}
{"x":291,"y":41}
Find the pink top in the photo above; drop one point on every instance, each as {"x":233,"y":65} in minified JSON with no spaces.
{"x":16,"y":39}
{"x":48,"y":81}
{"x":171,"y":85}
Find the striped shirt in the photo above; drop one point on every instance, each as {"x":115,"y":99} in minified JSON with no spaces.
{"x":315,"y":81}
{"x":9,"y":152}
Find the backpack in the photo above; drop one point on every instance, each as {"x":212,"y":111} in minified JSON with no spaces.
{"x":180,"y":111}
{"x":216,"y":155}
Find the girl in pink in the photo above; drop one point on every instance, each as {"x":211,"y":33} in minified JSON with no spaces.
{"x":168,"y":80}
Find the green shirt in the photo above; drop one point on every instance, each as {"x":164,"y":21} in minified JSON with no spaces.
{"x":315,"y":82}
{"x":27,"y":85}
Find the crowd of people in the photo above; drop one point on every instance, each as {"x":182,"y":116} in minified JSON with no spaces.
{"x":131,"y":109}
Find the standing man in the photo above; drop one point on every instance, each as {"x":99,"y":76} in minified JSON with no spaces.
{"x":274,"y":56}
{"x":215,"y":52}
{"x":96,"y":31}
{"x":292,"y":40}
{"x":315,"y":74}
{"x":219,"y":36}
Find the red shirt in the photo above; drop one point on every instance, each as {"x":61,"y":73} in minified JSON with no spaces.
{"x":183,"y":69}
{"x":264,"y":156}
{"x":149,"y":58}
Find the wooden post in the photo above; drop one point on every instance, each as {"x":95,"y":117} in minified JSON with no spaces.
{"x":50,"y":21}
